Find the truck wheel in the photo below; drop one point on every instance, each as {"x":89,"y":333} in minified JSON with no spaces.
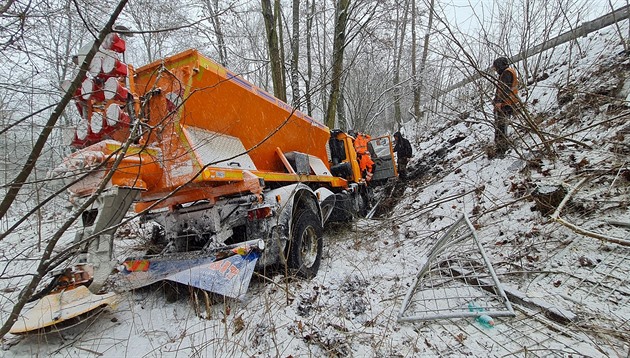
{"x":305,"y":248}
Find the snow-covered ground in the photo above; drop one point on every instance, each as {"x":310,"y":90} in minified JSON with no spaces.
{"x":351,"y":307}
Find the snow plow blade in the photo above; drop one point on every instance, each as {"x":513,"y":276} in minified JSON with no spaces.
{"x":227,"y":271}
{"x":60,"y":307}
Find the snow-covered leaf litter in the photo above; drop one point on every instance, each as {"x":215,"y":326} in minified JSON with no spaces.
{"x":350,"y":308}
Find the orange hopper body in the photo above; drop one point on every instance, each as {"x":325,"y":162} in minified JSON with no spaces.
{"x":209,"y":133}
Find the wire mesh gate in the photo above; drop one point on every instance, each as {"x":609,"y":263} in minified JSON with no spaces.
{"x":456,"y":280}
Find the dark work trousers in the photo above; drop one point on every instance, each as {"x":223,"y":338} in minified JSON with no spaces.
{"x":402,"y":166}
{"x":501,"y":117}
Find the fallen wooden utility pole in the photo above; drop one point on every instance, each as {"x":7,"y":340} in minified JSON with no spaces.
{"x":585,"y":29}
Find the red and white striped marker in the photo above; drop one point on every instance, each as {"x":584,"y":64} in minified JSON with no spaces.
{"x":114,"y":42}
{"x":114,"y":90}
{"x":96,"y":122}
{"x":115,"y":115}
{"x":91,"y":89}
{"x":114,"y":67}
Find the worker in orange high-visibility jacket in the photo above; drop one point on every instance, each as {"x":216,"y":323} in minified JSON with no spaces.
{"x":505,"y":101}
{"x":366,"y":164}
{"x":361,"y":143}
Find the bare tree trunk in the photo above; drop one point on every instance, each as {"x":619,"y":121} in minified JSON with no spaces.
{"x":295,"y":48}
{"x":216,"y":24}
{"x":341,"y":109}
{"x":399,"y":38}
{"x":278,"y":16}
{"x":274,"y":51}
{"x":425,"y":52}
{"x":309,"y":60}
{"x":337,"y":64}
{"x":21,"y":178}
{"x":414,"y":59}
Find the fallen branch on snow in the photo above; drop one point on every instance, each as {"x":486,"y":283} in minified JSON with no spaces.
{"x":618,"y":223}
{"x":556,"y":217}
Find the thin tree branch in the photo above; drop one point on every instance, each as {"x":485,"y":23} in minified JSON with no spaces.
{"x":556,"y":217}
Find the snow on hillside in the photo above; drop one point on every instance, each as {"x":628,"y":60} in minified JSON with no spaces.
{"x":351,"y":307}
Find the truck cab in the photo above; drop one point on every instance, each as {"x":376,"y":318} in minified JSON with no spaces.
{"x":343,"y":157}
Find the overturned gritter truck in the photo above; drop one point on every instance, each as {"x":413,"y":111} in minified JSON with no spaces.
{"x":230,"y":178}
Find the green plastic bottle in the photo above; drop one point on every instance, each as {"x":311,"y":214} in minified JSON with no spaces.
{"x":485,"y":321}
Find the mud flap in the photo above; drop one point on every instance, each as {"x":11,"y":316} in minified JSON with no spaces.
{"x":59,"y":307}
{"x":327,"y":204}
{"x":229,"y":276}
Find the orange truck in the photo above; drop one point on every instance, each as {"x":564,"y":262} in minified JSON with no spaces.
{"x":229,"y":178}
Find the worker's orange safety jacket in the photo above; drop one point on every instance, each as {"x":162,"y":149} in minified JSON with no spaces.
{"x":361,"y":143}
{"x":366,"y":164}
{"x":512,"y":95}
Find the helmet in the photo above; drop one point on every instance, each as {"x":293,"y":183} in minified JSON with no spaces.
{"x":501,"y":63}
{"x":397,"y":135}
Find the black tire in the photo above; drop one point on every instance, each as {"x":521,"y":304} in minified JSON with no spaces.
{"x":364,"y":205}
{"x":157,"y":241}
{"x":306,"y":245}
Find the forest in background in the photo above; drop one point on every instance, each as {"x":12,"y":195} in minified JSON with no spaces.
{"x":388,"y":66}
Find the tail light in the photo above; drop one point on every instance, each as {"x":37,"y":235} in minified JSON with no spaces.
{"x":259,"y":213}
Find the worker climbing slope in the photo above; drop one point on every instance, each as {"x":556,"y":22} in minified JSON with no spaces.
{"x":403,"y":151}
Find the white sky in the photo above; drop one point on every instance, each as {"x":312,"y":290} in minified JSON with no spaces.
{"x":463,"y":12}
